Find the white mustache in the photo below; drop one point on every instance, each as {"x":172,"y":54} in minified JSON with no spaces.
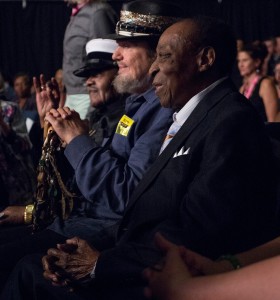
{"x":92,"y":89}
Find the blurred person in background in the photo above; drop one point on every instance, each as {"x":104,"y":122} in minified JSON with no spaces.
{"x":25,"y":98}
{"x":16,"y":169}
{"x":6,"y":90}
{"x":268,"y":64}
{"x":277,"y":78}
{"x":260,"y":90}
{"x":58,"y":76}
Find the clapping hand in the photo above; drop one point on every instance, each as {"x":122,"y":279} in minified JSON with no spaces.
{"x":47,"y":96}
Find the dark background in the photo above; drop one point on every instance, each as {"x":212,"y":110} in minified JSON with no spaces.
{"x":31,"y":36}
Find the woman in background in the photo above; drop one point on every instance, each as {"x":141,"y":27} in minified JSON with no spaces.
{"x":277,"y":78}
{"x":260,"y":90}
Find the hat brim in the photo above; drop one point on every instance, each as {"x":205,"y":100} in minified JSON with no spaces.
{"x":94,"y":69}
{"x":118,"y":37}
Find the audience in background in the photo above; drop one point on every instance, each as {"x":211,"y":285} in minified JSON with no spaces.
{"x":268,"y":64}
{"x":277,"y":78}
{"x":235,"y":74}
{"x":6,"y":91}
{"x":59,"y":79}
{"x":16,"y":168}
{"x":259,"y":90}
{"x":25,"y":98}
{"x":90,"y":19}
{"x":273,"y":56}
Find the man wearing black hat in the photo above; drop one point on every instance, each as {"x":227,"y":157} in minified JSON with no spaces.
{"x":141,"y":129}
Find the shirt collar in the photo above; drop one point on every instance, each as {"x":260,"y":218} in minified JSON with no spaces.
{"x":149,"y":96}
{"x":77,"y":8}
{"x":181,"y":116}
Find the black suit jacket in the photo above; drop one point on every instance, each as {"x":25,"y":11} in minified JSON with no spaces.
{"x":213,"y":189}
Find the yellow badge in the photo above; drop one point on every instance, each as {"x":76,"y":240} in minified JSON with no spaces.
{"x":124,"y":125}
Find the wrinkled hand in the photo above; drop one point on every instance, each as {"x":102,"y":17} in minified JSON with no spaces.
{"x":12,"y":215}
{"x":166,"y":280}
{"x":47,"y":96}
{"x":67,"y":123}
{"x":70,"y":262}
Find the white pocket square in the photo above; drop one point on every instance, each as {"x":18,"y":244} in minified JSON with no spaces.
{"x":182,"y":151}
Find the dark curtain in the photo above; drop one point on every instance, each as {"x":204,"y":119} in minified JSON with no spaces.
{"x":252,"y":19}
{"x":31,"y":37}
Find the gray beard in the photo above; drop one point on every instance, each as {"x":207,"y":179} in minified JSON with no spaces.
{"x":123,"y":84}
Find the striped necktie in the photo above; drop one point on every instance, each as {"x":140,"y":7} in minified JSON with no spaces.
{"x":170,"y":134}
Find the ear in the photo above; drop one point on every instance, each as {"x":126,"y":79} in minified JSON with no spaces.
{"x":206,"y":58}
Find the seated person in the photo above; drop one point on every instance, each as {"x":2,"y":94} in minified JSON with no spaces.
{"x":16,"y":168}
{"x":24,"y":96}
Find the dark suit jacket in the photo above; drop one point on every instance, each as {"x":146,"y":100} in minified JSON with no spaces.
{"x":212,"y":189}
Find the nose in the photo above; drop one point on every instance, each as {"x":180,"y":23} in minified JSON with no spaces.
{"x":90,"y":81}
{"x":117,"y":54}
{"x":154,"y":69}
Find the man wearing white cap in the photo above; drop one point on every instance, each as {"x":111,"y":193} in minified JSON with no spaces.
{"x":107,"y":106}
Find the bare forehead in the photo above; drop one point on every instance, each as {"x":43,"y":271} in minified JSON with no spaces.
{"x":185,"y":27}
{"x":243,"y":54}
{"x":21,"y":78}
{"x":177,"y":35}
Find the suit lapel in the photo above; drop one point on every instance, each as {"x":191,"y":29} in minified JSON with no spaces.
{"x":199,"y":113}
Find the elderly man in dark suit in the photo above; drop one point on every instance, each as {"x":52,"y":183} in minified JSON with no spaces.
{"x":212,"y":188}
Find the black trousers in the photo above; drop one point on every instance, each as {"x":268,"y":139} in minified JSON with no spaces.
{"x":17,"y":242}
{"x":26,"y":282}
